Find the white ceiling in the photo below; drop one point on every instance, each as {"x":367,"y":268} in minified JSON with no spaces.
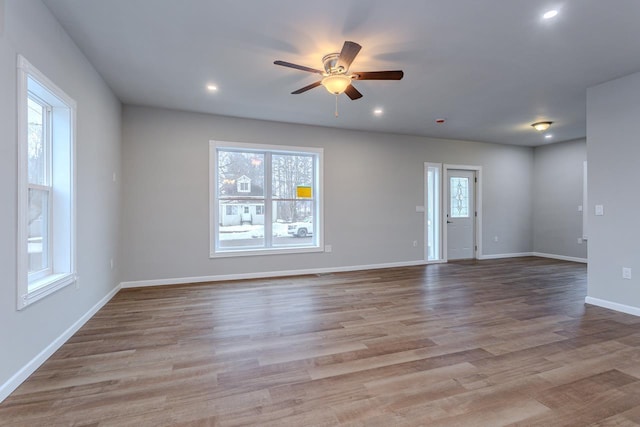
{"x":489,"y":67}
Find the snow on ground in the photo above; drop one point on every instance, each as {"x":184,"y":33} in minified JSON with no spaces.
{"x":247,"y":231}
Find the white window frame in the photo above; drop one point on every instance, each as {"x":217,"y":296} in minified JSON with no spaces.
{"x":62,"y":214}
{"x":318,"y":241}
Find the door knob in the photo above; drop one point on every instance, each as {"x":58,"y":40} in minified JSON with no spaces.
{"x":449,"y":222}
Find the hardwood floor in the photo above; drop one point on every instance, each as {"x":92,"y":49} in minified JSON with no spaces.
{"x":490,"y":343}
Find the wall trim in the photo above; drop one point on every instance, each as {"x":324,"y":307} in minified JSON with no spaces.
{"x":19,"y":377}
{"x":560,"y":257}
{"x":613,"y":306}
{"x":512,"y":255}
{"x":264,"y":274}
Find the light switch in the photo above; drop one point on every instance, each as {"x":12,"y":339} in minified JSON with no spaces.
{"x":599,"y":210}
{"x":419,"y":208}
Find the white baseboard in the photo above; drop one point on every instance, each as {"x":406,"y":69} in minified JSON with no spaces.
{"x":613,"y":306}
{"x":19,"y":377}
{"x":264,"y":274}
{"x":560,"y":257}
{"x":538,"y":254}
{"x":499,"y":256}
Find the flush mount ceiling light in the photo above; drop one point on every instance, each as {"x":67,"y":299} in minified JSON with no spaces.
{"x":541,"y":126}
{"x":550,"y":14}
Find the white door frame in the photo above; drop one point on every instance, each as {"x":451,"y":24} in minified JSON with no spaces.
{"x":478,"y":208}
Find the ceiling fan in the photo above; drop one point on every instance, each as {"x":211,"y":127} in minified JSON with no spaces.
{"x":336,"y":77}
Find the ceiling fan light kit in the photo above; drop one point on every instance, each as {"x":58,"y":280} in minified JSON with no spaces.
{"x":336,"y":77}
{"x":336,"y":83}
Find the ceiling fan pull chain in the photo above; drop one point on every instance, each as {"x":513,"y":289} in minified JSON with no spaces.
{"x":336,"y":106}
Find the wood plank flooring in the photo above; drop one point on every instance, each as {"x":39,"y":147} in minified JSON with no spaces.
{"x":474,"y":343}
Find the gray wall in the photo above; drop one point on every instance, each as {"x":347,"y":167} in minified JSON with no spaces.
{"x":557,"y":193}
{"x":32,"y":31}
{"x":613,"y":149}
{"x":372,"y":184}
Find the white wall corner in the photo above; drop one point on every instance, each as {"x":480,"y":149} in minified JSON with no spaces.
{"x":19,"y":377}
{"x":635,"y":311}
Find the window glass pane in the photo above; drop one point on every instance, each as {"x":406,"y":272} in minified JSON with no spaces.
{"x":459,"y":205}
{"x":38,"y":234}
{"x":297,"y":225}
{"x":433,"y":214}
{"x":241,"y":224}
{"x":289,"y":172}
{"x":36,"y":142}
{"x":240,"y":173}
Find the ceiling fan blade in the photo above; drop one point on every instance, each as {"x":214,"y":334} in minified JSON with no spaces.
{"x":352,"y":93}
{"x":306,"y":88}
{"x":298,"y":67}
{"x":378,"y":75}
{"x":348,"y":54}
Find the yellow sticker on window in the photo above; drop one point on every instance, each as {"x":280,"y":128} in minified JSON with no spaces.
{"x":303,"y":191}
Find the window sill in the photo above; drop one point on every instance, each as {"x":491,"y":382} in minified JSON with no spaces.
{"x":40,"y":288}
{"x":270,"y":251}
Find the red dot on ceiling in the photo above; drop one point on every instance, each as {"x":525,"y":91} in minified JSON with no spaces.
{"x":439,"y":121}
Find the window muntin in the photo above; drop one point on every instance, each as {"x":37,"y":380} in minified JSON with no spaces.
{"x":46,"y":195}
{"x":284,"y":190}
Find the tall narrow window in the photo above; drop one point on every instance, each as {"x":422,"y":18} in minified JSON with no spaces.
{"x":433,"y":185}
{"x":46,"y":121}
{"x":265,"y":199}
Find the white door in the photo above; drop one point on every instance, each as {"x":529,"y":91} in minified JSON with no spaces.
{"x":460,"y":214}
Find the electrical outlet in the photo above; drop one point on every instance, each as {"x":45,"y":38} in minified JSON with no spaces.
{"x":328,"y":248}
{"x":111,"y":263}
{"x":579,"y":240}
{"x":626,"y":273}
{"x":495,"y":239}
{"x":415,"y":243}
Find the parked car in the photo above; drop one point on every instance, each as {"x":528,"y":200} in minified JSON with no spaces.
{"x":303,"y":228}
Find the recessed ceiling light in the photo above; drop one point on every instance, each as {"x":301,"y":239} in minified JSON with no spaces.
{"x":548,"y":136}
{"x":550,"y":14}
{"x":378,"y":111}
{"x":212,"y":88}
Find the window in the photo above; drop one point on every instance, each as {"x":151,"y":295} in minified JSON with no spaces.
{"x":433,"y":172}
{"x":281,"y":202}
{"x":459,"y":197}
{"x":46,"y":229}
{"x":244,"y":184}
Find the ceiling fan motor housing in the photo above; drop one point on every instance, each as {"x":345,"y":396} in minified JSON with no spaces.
{"x":330,"y":62}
